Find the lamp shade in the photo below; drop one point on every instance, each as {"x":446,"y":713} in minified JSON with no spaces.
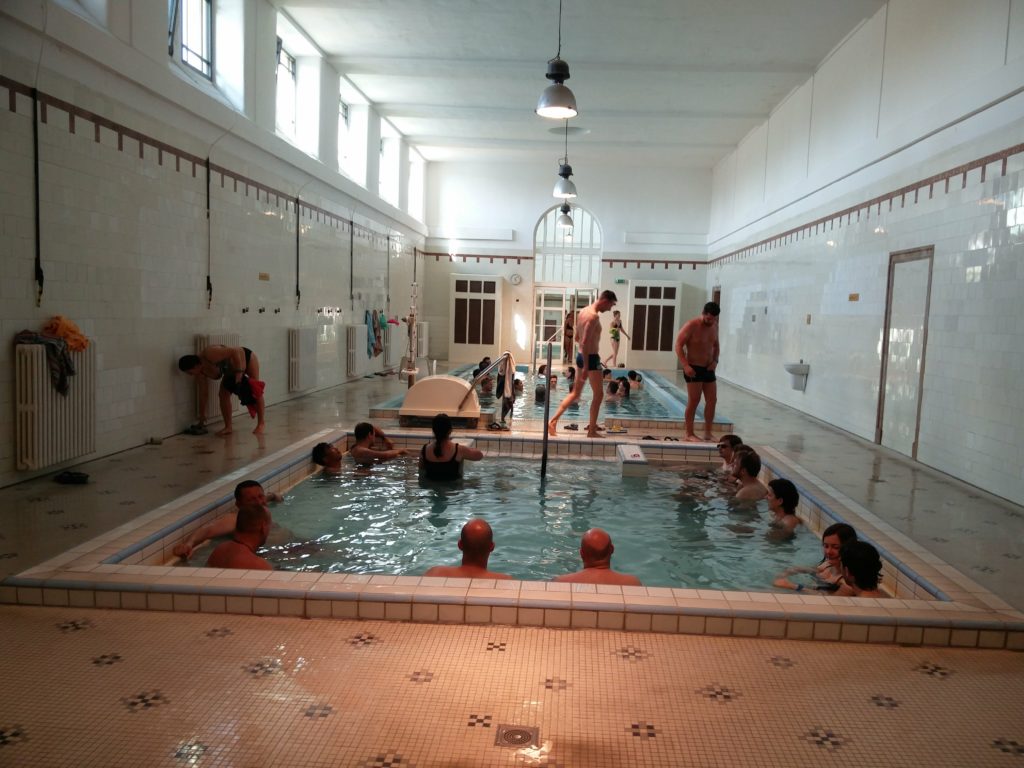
{"x":564,"y":188}
{"x":565,"y":220}
{"x":557,"y":102}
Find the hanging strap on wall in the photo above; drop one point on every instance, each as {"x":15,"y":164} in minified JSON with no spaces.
{"x":40,"y":277}
{"x":209,"y":240}
{"x":298,"y":232}
{"x":351,"y":266}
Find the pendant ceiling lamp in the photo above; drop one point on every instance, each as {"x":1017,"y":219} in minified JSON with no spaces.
{"x":557,"y":102}
{"x":564,"y":188}
{"x":565,"y":220}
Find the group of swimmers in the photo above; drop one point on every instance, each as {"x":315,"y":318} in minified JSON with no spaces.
{"x":848,"y":567}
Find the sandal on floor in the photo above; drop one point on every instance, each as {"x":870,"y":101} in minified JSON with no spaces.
{"x":648,"y":437}
{"x":67,"y":477}
{"x":495,"y":426}
{"x":195,"y":429}
{"x":670,"y":439}
{"x":572,"y":428}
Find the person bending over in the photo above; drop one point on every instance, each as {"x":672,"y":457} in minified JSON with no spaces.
{"x":596,"y":553}
{"x":238,"y":370}
{"x":251,"y":530}
{"x":476,"y":542}
{"x":442,"y":458}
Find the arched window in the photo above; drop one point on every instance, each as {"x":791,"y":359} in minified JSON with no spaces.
{"x":567,"y":256}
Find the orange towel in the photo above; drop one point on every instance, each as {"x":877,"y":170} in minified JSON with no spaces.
{"x":65,"y":329}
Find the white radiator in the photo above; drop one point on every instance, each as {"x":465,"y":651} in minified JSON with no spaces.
{"x":422,"y":339}
{"x":201,"y":341}
{"x":358,"y":362}
{"x":393,"y":342}
{"x":301,"y":359}
{"x":51,"y":427}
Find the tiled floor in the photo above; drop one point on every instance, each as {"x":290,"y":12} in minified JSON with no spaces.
{"x":90,"y":687}
{"x":159,"y":689}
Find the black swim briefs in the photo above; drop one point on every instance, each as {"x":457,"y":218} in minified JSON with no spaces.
{"x":593,"y":362}
{"x":701,"y":375}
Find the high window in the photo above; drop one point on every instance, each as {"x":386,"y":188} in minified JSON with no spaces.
{"x":193,"y":21}
{"x":567,"y":256}
{"x":390,"y":150}
{"x":286,"y":87}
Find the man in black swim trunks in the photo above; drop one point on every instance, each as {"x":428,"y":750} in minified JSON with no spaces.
{"x":588,"y":361}
{"x":238,"y":370}
{"x":697,"y":349}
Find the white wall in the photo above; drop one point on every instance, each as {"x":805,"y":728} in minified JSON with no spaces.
{"x":125,"y":245}
{"x":919,"y":89}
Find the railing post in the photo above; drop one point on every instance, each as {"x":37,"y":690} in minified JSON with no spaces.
{"x":547,"y":412}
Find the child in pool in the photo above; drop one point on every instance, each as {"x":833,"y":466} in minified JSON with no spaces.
{"x":828,"y":574}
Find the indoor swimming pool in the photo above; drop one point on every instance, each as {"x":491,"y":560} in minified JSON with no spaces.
{"x":674,"y":528}
{"x":133,"y":566}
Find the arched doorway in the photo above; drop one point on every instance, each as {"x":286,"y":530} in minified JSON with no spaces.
{"x":567,"y":273}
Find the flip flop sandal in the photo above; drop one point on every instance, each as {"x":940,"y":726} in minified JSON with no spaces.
{"x":670,"y":439}
{"x":68,"y":477}
{"x":495,"y":427}
{"x":648,"y":437}
{"x":573,"y":428}
{"x":195,"y":429}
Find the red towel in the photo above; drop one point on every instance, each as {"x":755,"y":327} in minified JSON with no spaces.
{"x":256,"y":392}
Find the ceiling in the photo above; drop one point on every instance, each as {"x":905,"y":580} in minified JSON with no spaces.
{"x":674,"y":82}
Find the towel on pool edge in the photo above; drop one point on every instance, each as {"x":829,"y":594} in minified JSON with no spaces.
{"x":507,"y":385}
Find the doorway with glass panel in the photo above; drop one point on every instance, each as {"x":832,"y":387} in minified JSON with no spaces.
{"x":567,"y":273}
{"x":551,"y":305}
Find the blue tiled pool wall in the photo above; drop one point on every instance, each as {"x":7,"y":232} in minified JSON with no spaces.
{"x":899,"y":579}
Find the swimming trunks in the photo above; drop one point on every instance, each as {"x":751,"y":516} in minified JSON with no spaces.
{"x":614,"y":331}
{"x":225,"y":364}
{"x":593,"y":362}
{"x":442,"y":470}
{"x":701,"y":375}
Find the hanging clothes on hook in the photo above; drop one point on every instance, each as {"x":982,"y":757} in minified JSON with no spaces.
{"x":378,"y":338}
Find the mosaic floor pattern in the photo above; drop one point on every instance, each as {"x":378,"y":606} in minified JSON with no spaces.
{"x":116,"y":688}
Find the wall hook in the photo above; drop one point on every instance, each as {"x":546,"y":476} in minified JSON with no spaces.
{"x":244,"y":310}
{"x":277,"y":310}
{"x":261,"y":310}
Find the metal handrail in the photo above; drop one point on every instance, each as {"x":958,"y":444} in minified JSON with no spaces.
{"x":546,"y":341}
{"x":482,"y":375}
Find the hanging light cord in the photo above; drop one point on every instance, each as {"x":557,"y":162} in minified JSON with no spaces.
{"x":559,"y":54}
{"x":566,"y":158}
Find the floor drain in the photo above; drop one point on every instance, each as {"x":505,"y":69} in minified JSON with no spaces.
{"x":516,"y":736}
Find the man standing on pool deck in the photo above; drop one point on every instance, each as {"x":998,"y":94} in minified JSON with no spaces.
{"x":476,"y":543}
{"x":588,"y":361}
{"x":697,"y":350}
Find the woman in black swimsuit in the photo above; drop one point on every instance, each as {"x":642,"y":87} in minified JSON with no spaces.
{"x":442,"y":459}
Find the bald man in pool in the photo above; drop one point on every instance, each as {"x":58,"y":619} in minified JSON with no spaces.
{"x":476,"y":543}
{"x":596,"y":550}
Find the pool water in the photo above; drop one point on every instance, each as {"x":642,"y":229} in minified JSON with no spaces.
{"x":641,"y":404}
{"x":670,"y":529}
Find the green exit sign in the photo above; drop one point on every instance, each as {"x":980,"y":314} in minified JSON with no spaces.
{"x":620,"y":281}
